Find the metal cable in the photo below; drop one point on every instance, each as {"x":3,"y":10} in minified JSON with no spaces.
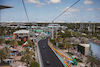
{"x":65,"y":10}
{"x":0,"y":15}
{"x":25,"y":10}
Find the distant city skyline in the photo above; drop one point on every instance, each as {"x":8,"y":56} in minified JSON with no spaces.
{"x":47,"y":10}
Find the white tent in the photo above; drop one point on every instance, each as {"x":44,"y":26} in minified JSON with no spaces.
{"x":6,"y":60}
{"x":25,"y":43}
{"x":22,"y":66}
{"x":13,"y":49}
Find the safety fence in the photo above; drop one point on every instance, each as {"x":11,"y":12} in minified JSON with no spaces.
{"x":59,"y":54}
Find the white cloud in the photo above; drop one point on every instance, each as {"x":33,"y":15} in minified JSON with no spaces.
{"x":53,"y":1}
{"x":39,"y":4}
{"x":67,"y":13}
{"x":70,"y":10}
{"x":82,"y":7}
{"x":87,"y":2}
{"x":98,"y":8}
{"x":90,"y":9}
{"x":56,"y":7}
{"x":48,"y":2}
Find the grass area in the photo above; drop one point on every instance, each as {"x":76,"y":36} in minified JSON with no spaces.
{"x":69,"y":53}
{"x":34,"y":64}
{"x":78,"y":60}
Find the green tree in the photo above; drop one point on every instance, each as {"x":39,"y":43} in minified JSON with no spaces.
{"x":59,"y":39}
{"x":76,"y":41}
{"x":92,"y":61}
{"x":30,"y":52}
{"x":67,"y":34}
{"x":84,"y":40}
{"x":75,"y":34}
{"x":52,"y":41}
{"x":14,"y":43}
{"x":67,"y":45}
{"x":7,"y":42}
{"x":6,"y":50}
{"x":20,"y":42}
{"x":62,"y":34}
{"x":2,"y":55}
{"x":27,"y":58}
{"x":64,"y":41}
{"x":2,"y":41}
{"x":72,"y":39}
{"x":30,"y":44}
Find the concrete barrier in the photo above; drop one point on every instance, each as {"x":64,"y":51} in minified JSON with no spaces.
{"x":39,"y":56}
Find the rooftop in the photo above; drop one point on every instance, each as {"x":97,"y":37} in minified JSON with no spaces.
{"x":85,"y":45}
{"x":22,"y":31}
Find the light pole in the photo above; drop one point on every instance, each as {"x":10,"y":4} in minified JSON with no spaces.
{"x":94,"y":28}
{"x":63,"y":13}
{"x":0,"y":15}
{"x":56,"y":32}
{"x":52,"y":33}
{"x":33,"y":34}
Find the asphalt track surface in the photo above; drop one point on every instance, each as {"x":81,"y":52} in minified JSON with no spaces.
{"x":48,"y":55}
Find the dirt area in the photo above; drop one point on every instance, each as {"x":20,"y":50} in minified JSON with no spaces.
{"x":5,"y":66}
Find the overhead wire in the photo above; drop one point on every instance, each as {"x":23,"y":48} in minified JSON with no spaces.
{"x":25,"y":10}
{"x":65,"y":11}
{"x":0,"y":15}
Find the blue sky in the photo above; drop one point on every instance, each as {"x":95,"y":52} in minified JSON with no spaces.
{"x":47,"y":10}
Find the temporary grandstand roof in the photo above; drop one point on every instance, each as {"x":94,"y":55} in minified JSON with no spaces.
{"x":3,"y":7}
{"x":21,"y":31}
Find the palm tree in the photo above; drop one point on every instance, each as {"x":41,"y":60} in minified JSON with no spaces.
{"x":14,"y":43}
{"x":30,"y":52}
{"x":64,"y":41}
{"x":92,"y":61}
{"x":6,"y":51}
{"x":2,"y":41}
{"x":68,"y":45}
{"x":2,"y":54}
{"x":27,"y":57}
{"x":59,"y":39}
{"x":30,"y":44}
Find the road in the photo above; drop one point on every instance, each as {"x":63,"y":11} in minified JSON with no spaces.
{"x":48,"y":55}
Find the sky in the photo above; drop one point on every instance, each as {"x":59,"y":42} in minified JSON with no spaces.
{"x":47,"y":10}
